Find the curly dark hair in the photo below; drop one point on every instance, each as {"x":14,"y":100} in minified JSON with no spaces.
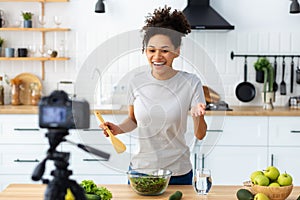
{"x":163,"y":21}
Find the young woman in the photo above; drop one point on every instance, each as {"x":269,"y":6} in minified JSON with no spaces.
{"x":160,"y":99}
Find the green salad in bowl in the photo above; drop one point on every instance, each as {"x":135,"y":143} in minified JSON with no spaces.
{"x":149,"y":181}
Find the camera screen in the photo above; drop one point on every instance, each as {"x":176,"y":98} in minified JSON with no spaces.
{"x":54,"y":114}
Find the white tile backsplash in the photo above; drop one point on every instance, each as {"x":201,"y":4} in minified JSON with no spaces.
{"x":90,"y":31}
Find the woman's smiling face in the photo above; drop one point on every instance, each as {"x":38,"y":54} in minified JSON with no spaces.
{"x":160,"y":53}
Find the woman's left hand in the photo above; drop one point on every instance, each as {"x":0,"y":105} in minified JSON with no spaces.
{"x":198,"y":110}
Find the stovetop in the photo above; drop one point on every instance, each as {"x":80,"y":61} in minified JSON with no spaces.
{"x":221,"y":105}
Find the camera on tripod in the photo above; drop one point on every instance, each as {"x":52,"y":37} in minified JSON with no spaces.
{"x":57,"y":111}
{"x":58,"y":114}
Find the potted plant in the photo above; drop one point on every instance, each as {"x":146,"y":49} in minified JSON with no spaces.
{"x":263,"y":64}
{"x":1,"y":43}
{"x":27,"y":16}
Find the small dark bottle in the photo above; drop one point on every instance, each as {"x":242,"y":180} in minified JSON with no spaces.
{"x":298,"y":75}
{"x":1,"y":92}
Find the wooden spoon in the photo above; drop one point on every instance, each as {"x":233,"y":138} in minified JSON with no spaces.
{"x":117,"y":144}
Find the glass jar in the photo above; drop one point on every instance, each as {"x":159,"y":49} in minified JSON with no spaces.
{"x":15,"y":92}
{"x":35,"y":94}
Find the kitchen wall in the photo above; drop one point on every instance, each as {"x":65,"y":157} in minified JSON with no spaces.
{"x":261,"y":27}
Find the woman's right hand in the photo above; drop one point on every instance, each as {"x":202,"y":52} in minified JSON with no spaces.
{"x":114,"y":129}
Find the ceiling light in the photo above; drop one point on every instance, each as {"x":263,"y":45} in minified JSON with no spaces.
{"x":100,"y":7}
{"x":295,"y":7}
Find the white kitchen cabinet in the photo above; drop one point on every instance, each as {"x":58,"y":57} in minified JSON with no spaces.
{"x":284,"y":146}
{"x":19,"y":162}
{"x":94,"y":135}
{"x":21,"y":129}
{"x":233,"y":147}
{"x":87,"y":166}
{"x":286,"y":159}
{"x":284,"y":131}
{"x":232,"y":165}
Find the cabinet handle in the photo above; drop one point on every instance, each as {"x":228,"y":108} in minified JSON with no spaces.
{"x":23,"y":161}
{"x":203,"y":166}
{"x":272,"y":159}
{"x":295,"y":131}
{"x":26,"y":129}
{"x":214,"y":130}
{"x":93,"y":129}
{"x":92,"y":160}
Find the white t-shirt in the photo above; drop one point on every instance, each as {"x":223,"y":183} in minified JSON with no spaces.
{"x":161,"y":109}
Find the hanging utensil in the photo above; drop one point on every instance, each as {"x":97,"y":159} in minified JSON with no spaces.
{"x":298,"y":72}
{"x":245,"y":91}
{"x":292,"y":76}
{"x":117,"y":144}
{"x":275,"y":85}
{"x":283,"y":84}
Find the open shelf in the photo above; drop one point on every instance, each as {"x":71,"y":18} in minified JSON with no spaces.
{"x":42,"y":1}
{"x":35,"y":29}
{"x":43,"y":32}
{"x":33,"y":58}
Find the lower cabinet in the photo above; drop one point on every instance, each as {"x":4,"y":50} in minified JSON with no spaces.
{"x":284,"y":145}
{"x":17,"y":163}
{"x":287,"y":160}
{"x":24,"y":146}
{"x":233,"y":148}
{"x":233,"y":165}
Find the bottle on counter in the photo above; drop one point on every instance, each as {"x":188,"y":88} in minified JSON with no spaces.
{"x":15,"y":91}
{"x":1,"y":91}
{"x":35,"y":94}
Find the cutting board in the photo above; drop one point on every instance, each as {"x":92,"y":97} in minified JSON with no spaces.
{"x":211,"y":96}
{"x":26,"y":79}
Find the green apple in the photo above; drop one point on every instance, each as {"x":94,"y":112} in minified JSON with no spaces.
{"x":274,"y":184}
{"x":261,"y":180}
{"x":285,"y":179}
{"x":261,"y":196}
{"x":272,"y":173}
{"x":254,"y":174}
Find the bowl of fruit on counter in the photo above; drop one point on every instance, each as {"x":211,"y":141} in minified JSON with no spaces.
{"x":268,"y":184}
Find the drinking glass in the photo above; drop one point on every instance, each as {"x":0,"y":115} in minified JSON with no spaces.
{"x":57,"y":20}
{"x":43,"y":49}
{"x":42,"y":20}
{"x":32,"y":50}
{"x":202,"y":181}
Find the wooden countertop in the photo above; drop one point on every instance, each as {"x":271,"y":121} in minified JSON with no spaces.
{"x":36,"y":192}
{"x":237,"y":111}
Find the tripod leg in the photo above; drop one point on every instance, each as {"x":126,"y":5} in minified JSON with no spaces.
{"x":56,"y":190}
{"x":77,"y":190}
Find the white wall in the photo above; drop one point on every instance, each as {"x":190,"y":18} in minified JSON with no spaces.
{"x":261,"y":27}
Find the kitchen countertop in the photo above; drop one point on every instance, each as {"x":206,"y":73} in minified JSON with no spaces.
{"x":237,"y":111}
{"x":36,"y":192}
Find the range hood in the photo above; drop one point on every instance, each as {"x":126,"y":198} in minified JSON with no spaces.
{"x":201,"y":15}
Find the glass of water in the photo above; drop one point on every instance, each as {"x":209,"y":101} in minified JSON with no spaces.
{"x":202,"y":181}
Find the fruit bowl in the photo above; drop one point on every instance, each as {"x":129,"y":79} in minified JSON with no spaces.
{"x":274,"y":193}
{"x":149,"y":182}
